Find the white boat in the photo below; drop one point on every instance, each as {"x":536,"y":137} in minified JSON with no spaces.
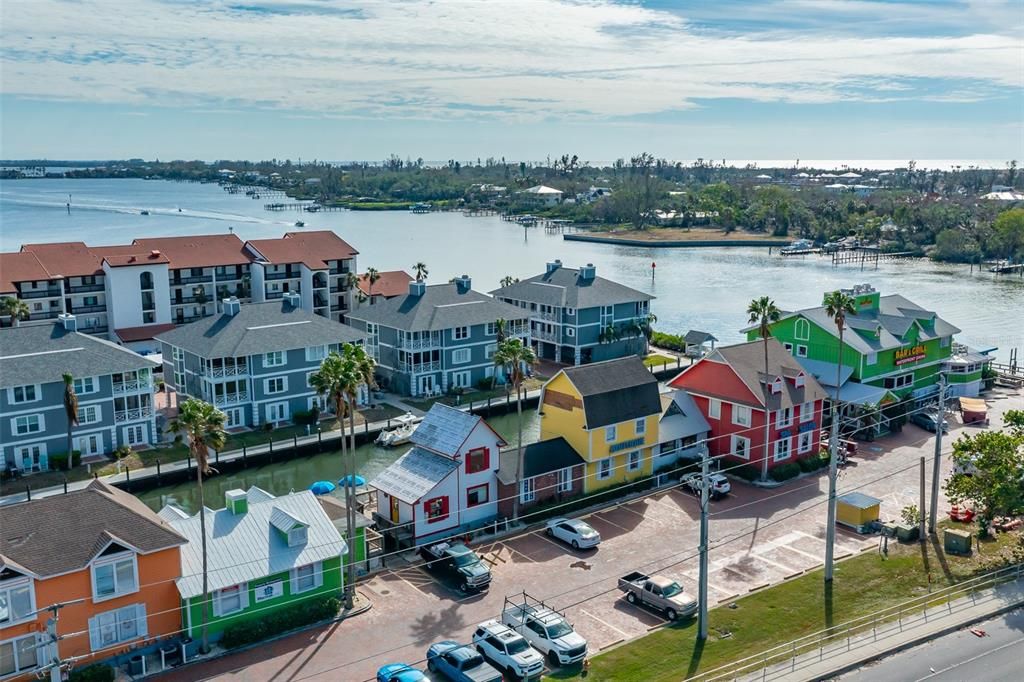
{"x":400,"y":434}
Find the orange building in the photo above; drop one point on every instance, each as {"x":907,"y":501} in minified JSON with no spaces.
{"x":100,"y":546}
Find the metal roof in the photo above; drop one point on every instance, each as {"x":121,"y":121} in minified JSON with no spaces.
{"x":859,"y":500}
{"x":564,"y":288}
{"x":825,"y":372}
{"x":441,"y":306}
{"x":244,"y":547}
{"x":857,"y":393}
{"x":444,"y":429}
{"x":681,"y":418}
{"x":414,"y":474}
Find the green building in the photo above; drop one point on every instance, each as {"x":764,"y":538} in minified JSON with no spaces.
{"x":264,"y":553}
{"x":893,"y":350}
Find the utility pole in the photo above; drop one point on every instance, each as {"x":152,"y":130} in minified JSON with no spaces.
{"x":833,"y":469}
{"x":921,"y":515}
{"x":702,"y":591}
{"x":57,"y":665}
{"x":937,"y":463}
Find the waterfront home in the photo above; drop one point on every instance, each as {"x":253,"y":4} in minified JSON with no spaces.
{"x":364,"y":544}
{"x":129,"y":293}
{"x":609,"y":413}
{"x":254,"y":360}
{"x":577,"y":317}
{"x":263,"y":552}
{"x":445,"y":484}
{"x":392,"y":283}
{"x":437,"y":338}
{"x":730,"y":388}
{"x":104,"y":554}
{"x":540,"y":195}
{"x":313,"y":264}
{"x":890,"y":345}
{"x":114,"y":387}
{"x":682,"y":430}
{"x":552,"y":471}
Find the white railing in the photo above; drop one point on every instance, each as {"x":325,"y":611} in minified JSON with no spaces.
{"x":133,"y":414}
{"x":420,"y":344}
{"x":552,"y":317}
{"x":421,"y":367}
{"x":130,"y":386}
{"x":227,"y":371}
{"x":231,"y":398}
{"x":539,"y":335}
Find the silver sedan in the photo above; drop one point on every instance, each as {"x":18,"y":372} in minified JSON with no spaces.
{"x":575,"y":532}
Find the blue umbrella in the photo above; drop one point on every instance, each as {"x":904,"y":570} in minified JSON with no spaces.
{"x":357,"y":479}
{"x":321,"y":487}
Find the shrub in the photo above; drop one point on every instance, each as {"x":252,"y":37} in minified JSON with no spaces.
{"x":812,"y":463}
{"x":306,"y":417}
{"x":485,"y":383}
{"x":60,"y":460}
{"x":668,"y":341}
{"x":93,"y":673}
{"x":747,"y":472}
{"x":784,"y":472}
{"x":277,"y":622}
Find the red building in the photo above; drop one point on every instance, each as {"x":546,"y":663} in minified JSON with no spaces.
{"x":731,"y":389}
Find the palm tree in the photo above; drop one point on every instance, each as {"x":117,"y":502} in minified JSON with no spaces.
{"x":71,"y":411}
{"x":644,"y":327}
{"x":203,"y":425}
{"x":420,"y":270}
{"x":16,"y":308}
{"x":372,"y":277}
{"x":837,"y":306}
{"x":515,"y":358}
{"x":507,"y":281}
{"x":351,"y":280}
{"x":358,"y":372}
{"x":764,"y":312}
{"x":609,"y":334}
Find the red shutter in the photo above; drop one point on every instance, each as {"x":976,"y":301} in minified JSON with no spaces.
{"x":428,"y":504}
{"x":478,"y":459}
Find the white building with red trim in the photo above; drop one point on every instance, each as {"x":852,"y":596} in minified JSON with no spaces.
{"x":445,"y":484}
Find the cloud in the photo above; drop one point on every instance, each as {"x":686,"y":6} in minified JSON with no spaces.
{"x":522,"y":60}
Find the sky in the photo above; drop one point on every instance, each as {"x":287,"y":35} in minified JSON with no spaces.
{"x":467,"y":79}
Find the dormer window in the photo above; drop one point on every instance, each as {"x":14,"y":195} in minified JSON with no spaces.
{"x":16,"y":600}
{"x":777,"y":385}
{"x":297,"y":536}
{"x":799,"y":380}
{"x":114,"y":575}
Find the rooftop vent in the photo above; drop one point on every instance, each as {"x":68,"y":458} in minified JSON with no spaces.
{"x":588,"y":272}
{"x":69,"y":321}
{"x":552,"y":266}
{"x":417,"y":287}
{"x":231,"y":306}
{"x":292,"y":298}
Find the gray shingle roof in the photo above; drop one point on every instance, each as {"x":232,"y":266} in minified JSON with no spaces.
{"x":563,"y":288}
{"x":542,"y":457}
{"x":414,"y":474}
{"x":444,"y":429}
{"x":244,"y":547}
{"x":259,"y":328}
{"x":62,"y":533}
{"x":442,"y":306}
{"x":615,"y":390}
{"x":747,"y":361}
{"x":698,"y":337}
{"x":39,"y":354}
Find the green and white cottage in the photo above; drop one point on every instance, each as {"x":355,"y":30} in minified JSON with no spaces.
{"x":264,"y":553}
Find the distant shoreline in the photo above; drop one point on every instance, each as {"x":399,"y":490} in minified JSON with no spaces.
{"x":676,"y":238}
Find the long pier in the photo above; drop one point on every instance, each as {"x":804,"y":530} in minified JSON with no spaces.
{"x":869,"y":256}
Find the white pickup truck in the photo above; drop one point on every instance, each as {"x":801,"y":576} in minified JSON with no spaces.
{"x":548,"y":632}
{"x":658,"y":592}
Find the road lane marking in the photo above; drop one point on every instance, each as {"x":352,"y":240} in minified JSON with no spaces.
{"x":800,"y":552}
{"x":601,"y":518}
{"x":776,"y":564}
{"x":605,"y":623}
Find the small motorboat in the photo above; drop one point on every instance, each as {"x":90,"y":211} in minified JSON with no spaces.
{"x":401,"y":434}
{"x":299,"y":223}
{"x":144,"y":212}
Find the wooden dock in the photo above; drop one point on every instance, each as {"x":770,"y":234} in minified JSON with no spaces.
{"x":868,"y":256}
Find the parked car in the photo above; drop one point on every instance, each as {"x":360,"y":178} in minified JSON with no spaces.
{"x":508,"y":650}
{"x":658,"y":592}
{"x":548,"y":632}
{"x":458,"y":562}
{"x":400,"y":672}
{"x":927,"y":420}
{"x":967,"y":467}
{"x":719,"y":484}
{"x":460,"y":663}
{"x":575,"y":532}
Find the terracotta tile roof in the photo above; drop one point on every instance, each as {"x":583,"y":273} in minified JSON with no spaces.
{"x":71,"y":259}
{"x":198,"y":251}
{"x":131,"y":259}
{"x":19,"y":267}
{"x":312,"y":249}
{"x":391,"y":283}
{"x":144,"y":333}
{"x":62,"y":533}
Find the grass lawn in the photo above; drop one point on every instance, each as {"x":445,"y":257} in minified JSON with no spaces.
{"x":661,"y":361}
{"x":476,"y":395}
{"x":863,"y":584}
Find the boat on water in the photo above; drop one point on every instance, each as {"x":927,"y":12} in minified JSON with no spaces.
{"x":401,"y":434}
{"x":144,"y":212}
{"x":799,"y":246}
{"x":299,"y":223}
{"x":420,"y":208}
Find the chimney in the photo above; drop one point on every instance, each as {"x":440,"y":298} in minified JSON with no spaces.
{"x":552,"y":266}
{"x":292,"y":298}
{"x":463,"y":284}
{"x":231,"y":306}
{"x":588,"y":272}
{"x":69,"y":321}
{"x":236,"y":501}
{"x":417,"y":288}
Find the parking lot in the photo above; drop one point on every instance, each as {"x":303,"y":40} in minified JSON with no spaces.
{"x":759,"y":537}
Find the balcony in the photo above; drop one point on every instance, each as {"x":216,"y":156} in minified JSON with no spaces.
{"x":551,"y":317}
{"x":226,"y":371}
{"x":186,"y":300}
{"x":52,"y":315}
{"x":271,"y":295}
{"x":131,"y":386}
{"x":133,"y":414}
{"x":343,"y":270}
{"x":281,"y":275}
{"x":319,"y":283}
{"x":181,"y":281}
{"x":338,"y":288}
{"x":231,"y":398}
{"x":538,"y":335}
{"x":85,"y":288}
{"x":95,"y":329}
{"x":77,"y":309}
{"x":49,"y":293}
{"x":421,"y":343}
{"x":420,"y":367}
{"x":185,"y":319}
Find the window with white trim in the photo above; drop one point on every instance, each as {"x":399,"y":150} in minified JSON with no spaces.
{"x":460,"y":333}
{"x":570,"y":332}
{"x":901,"y":381}
{"x":86,"y":385}
{"x":492,"y":329}
{"x":489,"y":350}
{"x":807,"y":412}
{"x":805,"y":442}
{"x":274,"y":359}
{"x":564,"y":480}
{"x":230,"y":600}
{"x":604,"y":468}
{"x":783,"y":417}
{"x":635,"y":460}
{"x":18,"y":655}
{"x":297,"y":536}
{"x":114,"y":576}
{"x":715,"y":408}
{"x":27,"y":423}
{"x":741,"y":415}
{"x":25,"y":394}
{"x":788,"y":346}
{"x":306,"y":578}
{"x":275,"y":385}
{"x":89,"y":414}
{"x":944,"y":341}
{"x":802,"y":329}
{"x":316,"y":353}
{"x":640,"y":425}
{"x":460,"y":356}
{"x":17,"y":601}
{"x":782,"y":446}
{"x":527,"y":490}
{"x":801,"y":351}
{"x":871,"y":359}
{"x":609,"y":434}
{"x":740,"y":446}
{"x":117,"y":626}
{"x":570,"y":312}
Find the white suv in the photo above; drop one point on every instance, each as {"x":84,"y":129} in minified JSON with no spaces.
{"x":508,"y":650}
{"x":548,"y":632}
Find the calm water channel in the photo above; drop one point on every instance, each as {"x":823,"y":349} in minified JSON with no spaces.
{"x":695,"y":288}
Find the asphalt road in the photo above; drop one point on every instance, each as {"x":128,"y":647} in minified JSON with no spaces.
{"x":958,"y":657}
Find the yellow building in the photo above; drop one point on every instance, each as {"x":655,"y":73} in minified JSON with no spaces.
{"x":608,"y":412}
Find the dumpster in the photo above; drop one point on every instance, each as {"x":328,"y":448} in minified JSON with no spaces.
{"x":857,"y":511}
